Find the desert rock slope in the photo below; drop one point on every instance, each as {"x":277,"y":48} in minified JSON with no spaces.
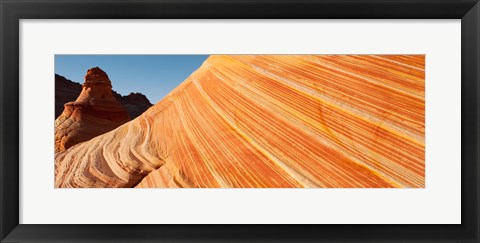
{"x":94,"y":112}
{"x":274,"y":121}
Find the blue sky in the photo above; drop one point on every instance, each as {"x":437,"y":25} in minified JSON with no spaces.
{"x":152,"y":75}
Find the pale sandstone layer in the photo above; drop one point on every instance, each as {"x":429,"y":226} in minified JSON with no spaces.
{"x":94,"y":112}
{"x":273,"y":121}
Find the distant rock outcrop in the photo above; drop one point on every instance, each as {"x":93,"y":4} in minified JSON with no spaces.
{"x":273,"y":121}
{"x":94,"y":112}
{"x":134,"y":103}
{"x":67,"y":90}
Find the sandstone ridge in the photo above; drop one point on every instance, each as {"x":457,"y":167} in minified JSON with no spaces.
{"x":275,"y":121}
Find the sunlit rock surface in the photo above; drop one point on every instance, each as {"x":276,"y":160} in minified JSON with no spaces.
{"x":274,"y":121}
{"x":67,"y":91}
{"x":94,"y":112}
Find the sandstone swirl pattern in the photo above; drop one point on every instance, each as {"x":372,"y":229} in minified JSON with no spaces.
{"x":273,"y":121}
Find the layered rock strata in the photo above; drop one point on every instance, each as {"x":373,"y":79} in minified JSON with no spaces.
{"x":275,"y":121}
{"x":67,"y":91}
{"x":94,"y":112}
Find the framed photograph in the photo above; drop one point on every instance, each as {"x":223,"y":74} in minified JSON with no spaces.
{"x":175,"y":121}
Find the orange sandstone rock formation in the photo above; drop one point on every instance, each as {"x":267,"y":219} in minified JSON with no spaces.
{"x":94,"y":112}
{"x":67,"y":90}
{"x":274,"y":121}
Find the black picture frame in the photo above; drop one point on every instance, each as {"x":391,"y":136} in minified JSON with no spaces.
{"x":12,"y":11}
